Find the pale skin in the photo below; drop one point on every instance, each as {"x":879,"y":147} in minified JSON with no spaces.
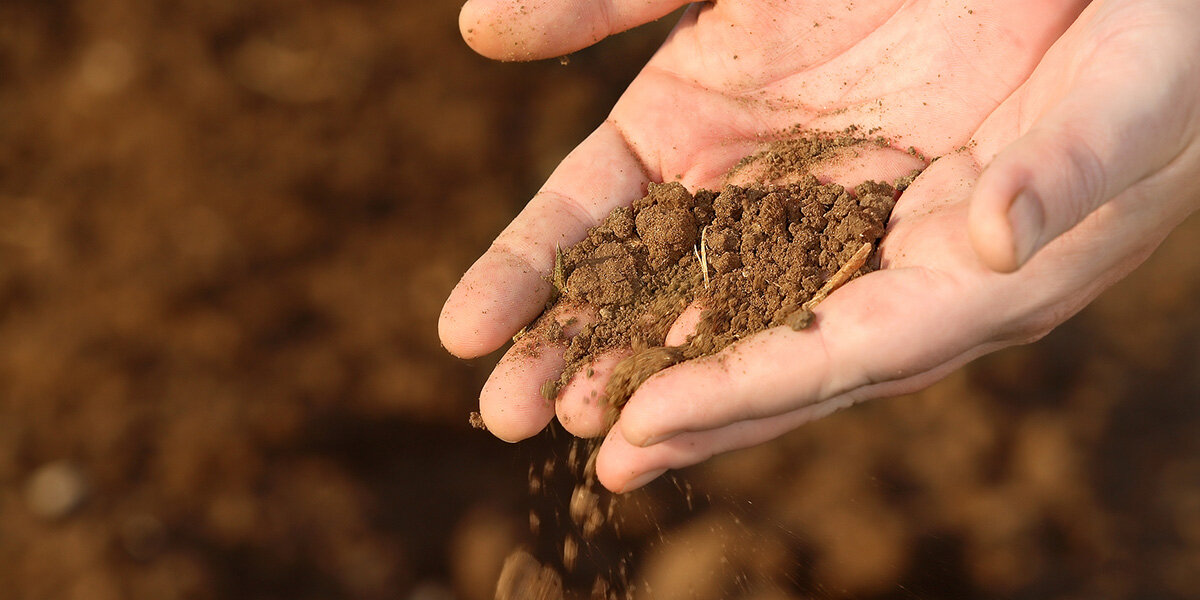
{"x":1067,"y":133}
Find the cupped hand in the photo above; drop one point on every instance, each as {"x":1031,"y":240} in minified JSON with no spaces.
{"x":1068,"y":153}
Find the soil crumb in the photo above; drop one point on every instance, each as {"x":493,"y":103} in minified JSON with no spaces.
{"x":476,"y":420}
{"x":523,"y":578}
{"x":751,"y":257}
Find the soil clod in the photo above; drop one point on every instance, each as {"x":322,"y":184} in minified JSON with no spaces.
{"x":476,"y":420}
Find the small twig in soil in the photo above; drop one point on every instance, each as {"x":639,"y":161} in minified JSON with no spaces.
{"x":803,"y":317}
{"x":560,"y":279}
{"x":841,"y":277}
{"x":704,"y":254}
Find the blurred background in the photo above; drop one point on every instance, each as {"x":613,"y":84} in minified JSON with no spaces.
{"x":226,"y":230}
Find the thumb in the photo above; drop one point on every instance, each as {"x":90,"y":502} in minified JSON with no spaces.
{"x":532,"y":29}
{"x":1088,"y":148}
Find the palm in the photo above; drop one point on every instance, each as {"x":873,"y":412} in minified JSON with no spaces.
{"x":953,"y":82}
{"x":733,"y":74}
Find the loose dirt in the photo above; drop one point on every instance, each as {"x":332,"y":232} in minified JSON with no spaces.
{"x":523,"y":578}
{"x":752,"y":257}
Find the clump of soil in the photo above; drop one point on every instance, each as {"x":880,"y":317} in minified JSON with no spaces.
{"x":752,"y":257}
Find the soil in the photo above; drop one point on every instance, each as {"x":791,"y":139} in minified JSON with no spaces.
{"x":752,"y":257}
{"x":523,"y":578}
{"x":226,"y":231}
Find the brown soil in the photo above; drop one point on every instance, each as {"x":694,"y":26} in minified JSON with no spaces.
{"x":752,"y":257}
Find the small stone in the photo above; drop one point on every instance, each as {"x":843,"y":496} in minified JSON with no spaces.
{"x":800,"y":319}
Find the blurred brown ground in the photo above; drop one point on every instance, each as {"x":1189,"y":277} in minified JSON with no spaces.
{"x":226,"y":230}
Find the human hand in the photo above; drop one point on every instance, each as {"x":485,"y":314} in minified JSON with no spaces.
{"x":945,"y":73}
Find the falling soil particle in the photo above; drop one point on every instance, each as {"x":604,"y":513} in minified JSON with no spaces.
{"x":523,"y":578}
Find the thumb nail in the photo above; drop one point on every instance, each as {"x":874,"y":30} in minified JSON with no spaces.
{"x":1027,"y":218}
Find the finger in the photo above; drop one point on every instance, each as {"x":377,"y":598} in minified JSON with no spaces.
{"x":581,"y":408}
{"x":1106,"y":133}
{"x":532,"y":29}
{"x":864,"y":334}
{"x":508,"y":286}
{"x":511,"y":403}
{"x":623,"y":467}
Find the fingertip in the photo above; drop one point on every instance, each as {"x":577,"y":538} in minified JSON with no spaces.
{"x":496,"y":297}
{"x":478,"y":23}
{"x":618,"y":468}
{"x":512,"y":423}
{"x":510,"y":31}
{"x":467,"y":23}
{"x":511,"y":402}
{"x":454,"y":338}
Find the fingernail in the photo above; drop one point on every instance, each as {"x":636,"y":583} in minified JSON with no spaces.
{"x":1027,"y":218}
{"x":642,"y":480}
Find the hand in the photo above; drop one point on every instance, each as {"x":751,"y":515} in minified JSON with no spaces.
{"x":1100,"y":135}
